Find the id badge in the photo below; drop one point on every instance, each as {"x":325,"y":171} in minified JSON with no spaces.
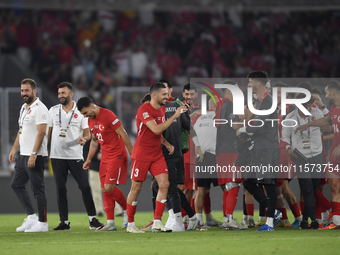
{"x":20,"y":129}
{"x":306,"y":144}
{"x":62,"y":133}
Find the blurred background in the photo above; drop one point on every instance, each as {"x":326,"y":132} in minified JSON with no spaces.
{"x":112,"y":50}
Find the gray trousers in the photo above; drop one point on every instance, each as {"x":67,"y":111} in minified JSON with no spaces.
{"x":22,"y":174}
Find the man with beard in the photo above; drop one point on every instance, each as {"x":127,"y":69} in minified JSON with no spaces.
{"x":148,"y":156}
{"x":333,"y":96}
{"x":70,"y":131}
{"x":32,"y":140}
{"x":108,"y":131}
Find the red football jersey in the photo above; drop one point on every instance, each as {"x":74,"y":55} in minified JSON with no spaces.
{"x":148,"y":146}
{"x":104,"y":127}
{"x":334,"y":113}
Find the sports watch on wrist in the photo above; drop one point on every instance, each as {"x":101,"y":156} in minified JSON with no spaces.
{"x":33,"y":153}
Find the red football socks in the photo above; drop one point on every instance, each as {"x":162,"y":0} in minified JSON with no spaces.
{"x":336,"y":208}
{"x":159,"y":210}
{"x":295,"y":210}
{"x":192,"y":204}
{"x":207,"y":204}
{"x":109,"y":205}
{"x":131,"y":211}
{"x":224,"y":202}
{"x":118,"y":195}
{"x":232,"y":200}
{"x":250,"y":209}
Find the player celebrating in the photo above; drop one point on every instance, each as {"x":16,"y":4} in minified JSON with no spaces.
{"x":107,"y":129}
{"x":333,"y":95}
{"x":148,"y":156}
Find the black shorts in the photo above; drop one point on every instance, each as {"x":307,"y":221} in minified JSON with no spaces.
{"x":206,"y":171}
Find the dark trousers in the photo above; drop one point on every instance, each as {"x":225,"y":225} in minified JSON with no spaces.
{"x":309,"y":181}
{"x":60,"y":171}
{"x":22,"y":174}
{"x":176,"y":198}
{"x":257,"y":192}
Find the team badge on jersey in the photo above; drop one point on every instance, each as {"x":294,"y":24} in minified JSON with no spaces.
{"x":75,"y":115}
{"x":145,"y":115}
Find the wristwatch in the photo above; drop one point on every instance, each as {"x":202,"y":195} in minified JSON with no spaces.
{"x":33,"y":153}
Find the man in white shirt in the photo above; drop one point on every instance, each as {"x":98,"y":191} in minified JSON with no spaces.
{"x":70,"y":131}
{"x":308,"y":143}
{"x":32,"y":140}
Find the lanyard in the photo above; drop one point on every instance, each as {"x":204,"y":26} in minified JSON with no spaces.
{"x":69,"y":122}
{"x":21,"y":120}
{"x":300,"y":125}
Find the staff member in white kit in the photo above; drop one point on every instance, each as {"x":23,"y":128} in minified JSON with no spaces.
{"x":70,"y":131}
{"x":32,"y":140}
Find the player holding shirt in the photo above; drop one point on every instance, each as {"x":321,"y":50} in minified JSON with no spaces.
{"x":333,"y":95}
{"x":148,"y":156}
{"x":107,"y":129}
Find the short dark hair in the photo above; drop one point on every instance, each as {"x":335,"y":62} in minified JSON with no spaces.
{"x":189,"y":86}
{"x":167,"y":82}
{"x":84,"y":102}
{"x":333,"y":84}
{"x":305,"y":85}
{"x":156,"y":87}
{"x":65,"y":84}
{"x":228,"y":81}
{"x":280,"y":85}
{"x":302,"y":95}
{"x":316,"y":91}
{"x":30,"y":81}
{"x":260,"y":76}
{"x":146,"y":98}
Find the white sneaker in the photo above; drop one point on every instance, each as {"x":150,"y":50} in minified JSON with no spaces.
{"x":176,"y":227}
{"x":169,"y":222}
{"x":233,"y":225}
{"x":186,"y":219}
{"x":213,"y":223}
{"x":134,"y":230}
{"x":38,"y":227}
{"x":193,"y":223}
{"x":108,"y":227}
{"x":27,"y":224}
{"x":125,"y":220}
{"x":159,"y":227}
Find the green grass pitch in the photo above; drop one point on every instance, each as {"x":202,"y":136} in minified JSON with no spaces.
{"x":81,"y":240}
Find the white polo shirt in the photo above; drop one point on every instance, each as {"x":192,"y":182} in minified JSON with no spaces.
{"x":308,"y":142}
{"x":206,"y":132}
{"x":64,"y":144}
{"x":28,"y":120}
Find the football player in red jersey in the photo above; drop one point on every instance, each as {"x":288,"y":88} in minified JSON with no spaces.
{"x":333,"y":96}
{"x":148,"y":156}
{"x":107,"y":129}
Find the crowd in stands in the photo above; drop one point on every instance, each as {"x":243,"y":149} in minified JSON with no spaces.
{"x":101,"y":50}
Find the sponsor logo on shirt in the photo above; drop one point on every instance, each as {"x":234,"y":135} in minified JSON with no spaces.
{"x":44,"y":117}
{"x":115,"y":121}
{"x":145,"y":115}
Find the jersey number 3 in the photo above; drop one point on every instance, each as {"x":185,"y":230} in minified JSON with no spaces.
{"x":136,"y":172}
